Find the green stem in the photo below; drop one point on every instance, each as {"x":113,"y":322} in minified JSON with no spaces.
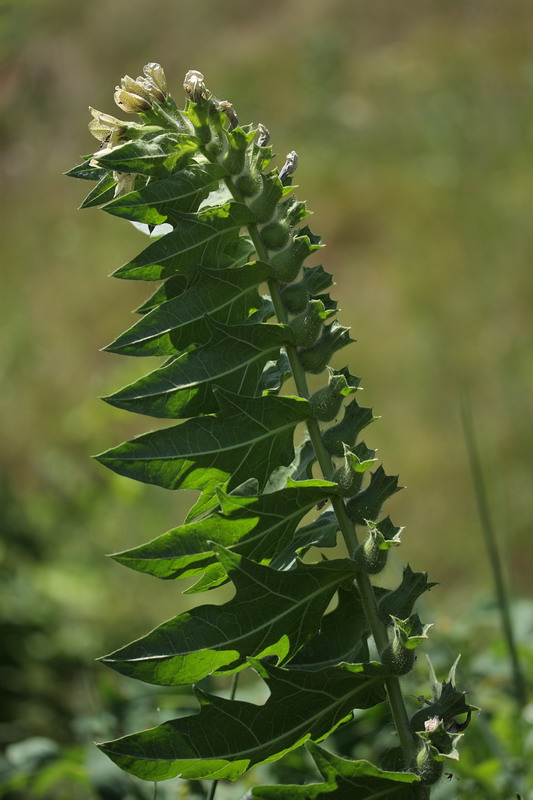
{"x":368,"y":599}
{"x":491,"y":545}
{"x":233,"y":692}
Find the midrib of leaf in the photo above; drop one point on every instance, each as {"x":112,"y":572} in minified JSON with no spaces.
{"x":246,"y":443}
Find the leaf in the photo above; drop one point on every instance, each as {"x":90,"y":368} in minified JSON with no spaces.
{"x":86,"y":172}
{"x":227,"y":737}
{"x":450,"y":704}
{"x":183,"y":191}
{"x":157,"y":156}
{"x":101,"y":193}
{"x":198,"y":240}
{"x":236,"y":254}
{"x":342,"y":637}
{"x":234,"y":357}
{"x":272,"y":614}
{"x":300,"y":469}
{"x":275,"y":374}
{"x":345,"y":780}
{"x":248,"y":439}
{"x":257,"y":527}
{"x":168,"y":290}
{"x":322,"y":532}
{"x":366,"y":505}
{"x":225,"y":296}
{"x":400,"y":601}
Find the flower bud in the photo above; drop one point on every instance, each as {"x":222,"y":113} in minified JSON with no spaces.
{"x":371,"y":555}
{"x":316,"y":358}
{"x":154,"y":92}
{"x":156,"y":75}
{"x":107,"y":129}
{"x":264,"y":135}
{"x":349,"y":476}
{"x":131,"y":102}
{"x":326,"y":402}
{"x":125,"y":183}
{"x":138,"y":87}
{"x":194,"y":86}
{"x":290,"y":165}
{"x":427,"y":764}
{"x":306,"y":326}
{"x":229,"y":111}
{"x":407,"y":634}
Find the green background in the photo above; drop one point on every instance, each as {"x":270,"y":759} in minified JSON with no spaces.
{"x":414,"y":127}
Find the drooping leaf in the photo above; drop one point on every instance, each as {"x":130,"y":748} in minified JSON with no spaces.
{"x":234,"y":358}
{"x":257,"y":527}
{"x":272,"y":614}
{"x":158,"y":201}
{"x":248,"y":438}
{"x":228,"y":737}
{"x":345,"y":780}
{"x":197,"y":240}
{"x":226,"y":297}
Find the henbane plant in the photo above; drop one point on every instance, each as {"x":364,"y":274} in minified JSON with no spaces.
{"x":238,"y":316}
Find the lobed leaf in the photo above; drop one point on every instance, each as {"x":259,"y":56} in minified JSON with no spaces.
{"x":227,"y":737}
{"x":345,"y":779}
{"x":342,"y":636}
{"x":226,"y":296}
{"x":249,"y":438}
{"x":157,"y":156}
{"x":102,"y":192}
{"x":257,"y":527}
{"x":234,"y":358}
{"x":272,"y":614}
{"x":159,"y":200}
{"x":86,"y":171}
{"x":366,"y":504}
{"x":197,"y":240}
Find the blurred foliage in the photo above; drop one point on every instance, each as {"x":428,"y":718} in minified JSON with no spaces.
{"x":423,"y":197}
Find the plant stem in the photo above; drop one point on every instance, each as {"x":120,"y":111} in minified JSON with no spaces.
{"x":233,"y":692}
{"x":520,"y":688}
{"x":368,"y":600}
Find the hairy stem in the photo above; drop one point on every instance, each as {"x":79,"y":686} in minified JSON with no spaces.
{"x":347,"y":528}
